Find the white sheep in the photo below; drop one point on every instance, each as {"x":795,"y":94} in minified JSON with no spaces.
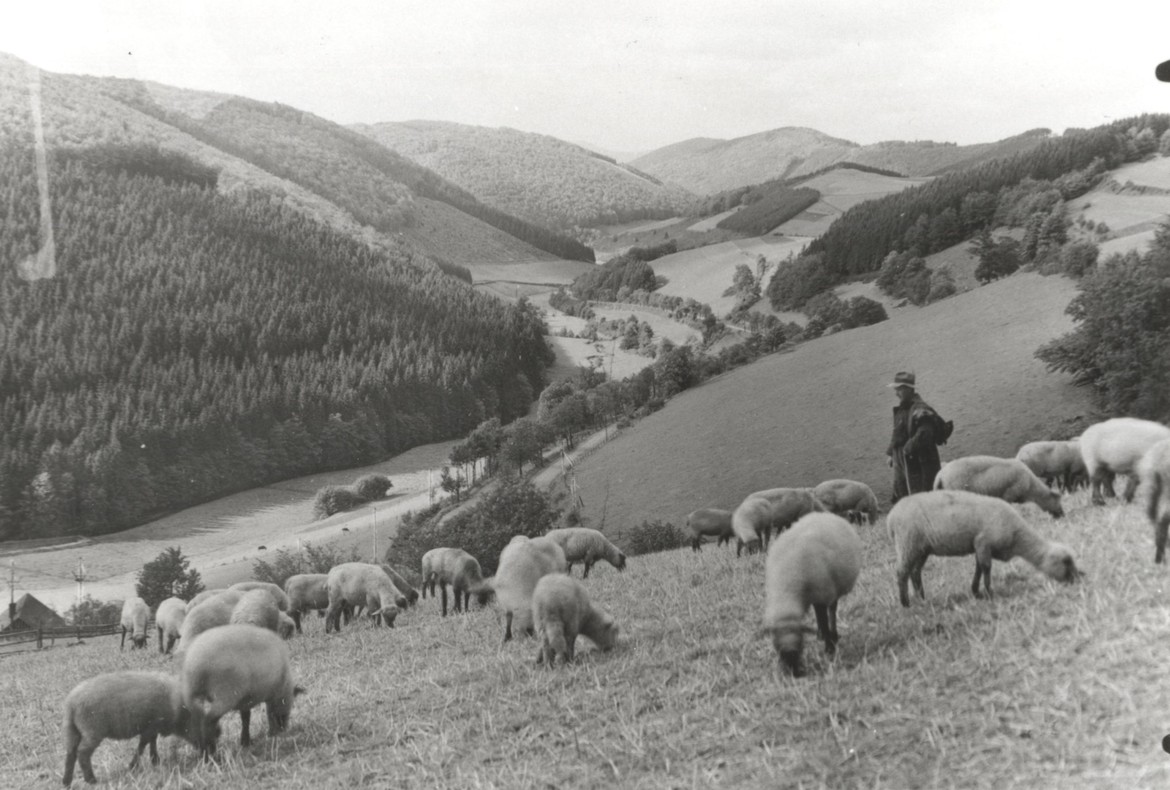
{"x":443,"y":566}
{"x":168,"y":620}
{"x":1154,"y":472}
{"x":814,"y":563}
{"x":1008,"y":479}
{"x":709,"y":522}
{"x":360,"y":585}
{"x":278,"y":595}
{"x":402,"y":584}
{"x":1114,"y":447}
{"x":236,"y":667}
{"x":1058,"y":464}
{"x":135,"y":614}
{"x":957,"y":523}
{"x":849,"y":498}
{"x":771,"y":510}
{"x":582,"y":544}
{"x":523,"y":562}
{"x":257,"y":608}
{"x":121,"y":705}
{"x":561,"y":612}
{"x":306,"y":592}
{"x":203,"y":596}
{"x":210,"y":613}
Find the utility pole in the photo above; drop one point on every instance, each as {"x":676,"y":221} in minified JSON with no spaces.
{"x":374,"y":537}
{"x":11,"y":590}
{"x":79,"y":577}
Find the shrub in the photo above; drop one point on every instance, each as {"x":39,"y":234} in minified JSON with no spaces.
{"x":653,"y":536}
{"x":336,"y":499}
{"x":373,"y":486}
{"x":91,"y":611}
{"x":168,"y":575}
{"x":310,"y":559}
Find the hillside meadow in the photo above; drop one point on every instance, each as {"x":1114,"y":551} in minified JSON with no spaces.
{"x":1044,"y":686}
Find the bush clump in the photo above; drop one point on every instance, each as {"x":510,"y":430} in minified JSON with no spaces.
{"x":653,"y":536}
{"x":310,"y":559}
{"x":373,"y":487}
{"x":336,"y":499}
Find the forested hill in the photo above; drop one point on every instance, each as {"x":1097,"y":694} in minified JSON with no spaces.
{"x":535,"y":176}
{"x":333,"y":173}
{"x":193,"y":343}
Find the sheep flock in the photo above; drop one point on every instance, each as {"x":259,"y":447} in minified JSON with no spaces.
{"x":230,"y":647}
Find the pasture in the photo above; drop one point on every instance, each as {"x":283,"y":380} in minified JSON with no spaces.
{"x":1045,"y":685}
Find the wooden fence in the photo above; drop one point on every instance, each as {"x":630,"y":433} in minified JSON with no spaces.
{"x":35,"y":639}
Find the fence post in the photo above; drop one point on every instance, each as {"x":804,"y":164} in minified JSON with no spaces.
{"x":40,"y":636}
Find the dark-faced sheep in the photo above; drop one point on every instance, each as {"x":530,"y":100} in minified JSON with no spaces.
{"x":523,"y":563}
{"x":561,"y":612}
{"x":236,"y":667}
{"x":585,"y":545}
{"x":815,"y":563}
{"x":850,"y":499}
{"x":168,"y":620}
{"x":408,"y":592}
{"x":361,"y":585}
{"x":958,"y":523}
{"x":455,"y":567}
{"x":121,"y":705}
{"x":1114,"y":447}
{"x":306,"y":592}
{"x":1008,"y":479}
{"x":772,"y":510}
{"x":709,"y":522}
{"x":1058,"y":464}
{"x":135,"y":614}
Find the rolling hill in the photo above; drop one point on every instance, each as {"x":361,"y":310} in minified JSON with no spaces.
{"x":535,"y":176}
{"x":706,"y":166}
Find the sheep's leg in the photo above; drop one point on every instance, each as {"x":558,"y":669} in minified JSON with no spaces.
{"x":695,"y":543}
{"x":570,"y":644}
{"x":916,"y":578}
{"x":467,"y":600}
{"x":982,"y":571}
{"x":825,"y":627}
{"x":123,"y":647}
{"x":245,"y":727}
{"x":588,"y":565}
{"x":1096,"y":480}
{"x":85,"y":757}
{"x":1160,"y":530}
{"x":903,"y":593}
{"x":1131,"y":483}
{"x":72,"y":740}
{"x":333,"y":617}
{"x":508,"y":626}
{"x":295,"y":614}
{"x":160,"y":640}
{"x":443,"y":590}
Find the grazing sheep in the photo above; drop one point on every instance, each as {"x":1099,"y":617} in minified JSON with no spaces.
{"x":709,"y":522}
{"x":1008,"y":479}
{"x":286,"y":627}
{"x":456,"y":567}
{"x":815,"y":563}
{"x":773,"y":509}
{"x":278,"y":595}
{"x":203,"y":596}
{"x":582,"y":544}
{"x":1154,"y":472}
{"x":168,"y":619}
{"x":306,"y":591}
{"x":361,"y":585}
{"x":257,"y":608}
{"x":211,"y":613}
{"x":1058,"y":464}
{"x":561,"y":611}
{"x":404,"y":587}
{"x":523,"y":563}
{"x":957,"y":523}
{"x":849,"y":498}
{"x":1114,"y":447}
{"x":135,"y":614}
{"x":120,"y":705}
{"x":236,"y":667}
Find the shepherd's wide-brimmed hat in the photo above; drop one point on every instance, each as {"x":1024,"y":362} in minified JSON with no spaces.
{"x":903,"y":379}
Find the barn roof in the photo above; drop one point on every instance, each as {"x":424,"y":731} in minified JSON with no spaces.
{"x":32,"y":613}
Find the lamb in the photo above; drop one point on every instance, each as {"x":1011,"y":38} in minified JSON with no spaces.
{"x":168,"y":620}
{"x":773,"y":509}
{"x":562,"y":610}
{"x":306,"y":591}
{"x":849,"y":498}
{"x":135,"y":614}
{"x":1115,"y":447}
{"x":816,"y":563}
{"x":711,"y":523}
{"x":120,"y":705}
{"x":359,"y":585}
{"x":582,"y":544}
{"x":257,"y":608}
{"x":278,"y":595}
{"x":1058,"y":464}
{"x":236,"y":667}
{"x":1008,"y":479}
{"x":402,"y":584}
{"x":523,"y":563}
{"x":957,"y":523}
{"x":1154,"y":472}
{"x":443,"y":566}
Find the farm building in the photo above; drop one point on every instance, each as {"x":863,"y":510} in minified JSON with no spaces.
{"x":28,"y":614}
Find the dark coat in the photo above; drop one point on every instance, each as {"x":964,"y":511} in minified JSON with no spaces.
{"x":914,"y":447}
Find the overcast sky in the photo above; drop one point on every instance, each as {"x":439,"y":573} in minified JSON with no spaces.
{"x":630,"y":75}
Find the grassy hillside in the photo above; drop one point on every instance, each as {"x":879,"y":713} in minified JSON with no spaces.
{"x":1045,"y":686}
{"x":535,"y":176}
{"x":841,"y":190}
{"x":823,"y":410}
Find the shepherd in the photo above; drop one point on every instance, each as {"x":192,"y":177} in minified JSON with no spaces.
{"x":918,"y":431}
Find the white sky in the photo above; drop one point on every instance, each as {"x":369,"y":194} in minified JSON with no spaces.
{"x":633,"y":75}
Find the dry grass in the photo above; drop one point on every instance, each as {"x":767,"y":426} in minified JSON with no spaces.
{"x":1044,"y":686}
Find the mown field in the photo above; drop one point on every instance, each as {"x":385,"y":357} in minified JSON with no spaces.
{"x":1044,"y":686}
